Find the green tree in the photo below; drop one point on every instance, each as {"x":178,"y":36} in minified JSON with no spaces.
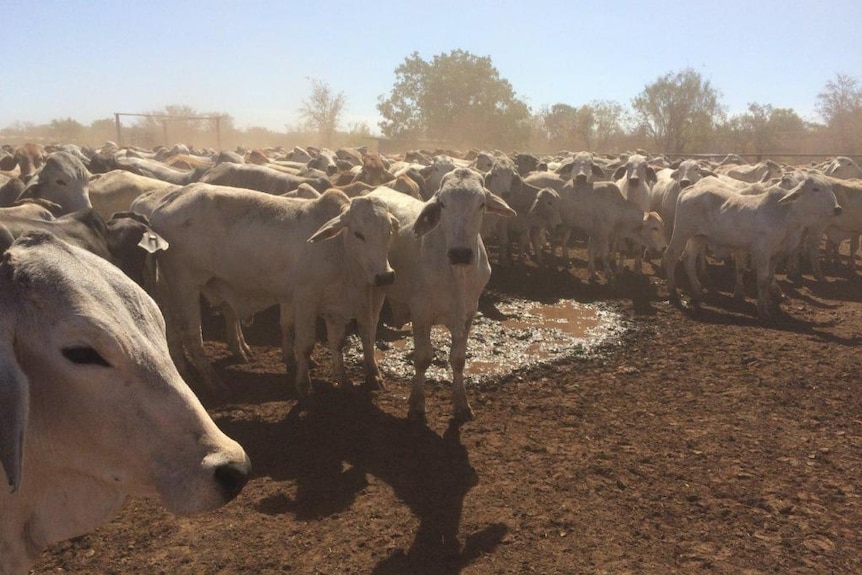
{"x":322,"y":110}
{"x":456,"y":97}
{"x":679,"y":111}
{"x":840,"y":106}
{"x":560,"y":124}
{"x":609,"y":124}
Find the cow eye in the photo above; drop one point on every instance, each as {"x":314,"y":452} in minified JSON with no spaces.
{"x":816,"y":190}
{"x":359,"y":236}
{"x":84,"y":355}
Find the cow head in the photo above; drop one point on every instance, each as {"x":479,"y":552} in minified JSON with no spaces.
{"x":650,"y":233}
{"x":843,"y":168}
{"x":368,"y":229}
{"x":63,"y":180}
{"x":546,"y":207}
{"x":85,"y":369}
{"x":584,"y":169}
{"x":813,"y":198}
{"x":503,"y":179}
{"x":457,"y":208}
{"x":636,"y":170}
{"x":689,"y":172}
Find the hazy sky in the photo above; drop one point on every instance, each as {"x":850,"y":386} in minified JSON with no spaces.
{"x":87,"y":59}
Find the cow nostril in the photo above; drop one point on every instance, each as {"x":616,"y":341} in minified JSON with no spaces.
{"x":460,"y":256}
{"x":384,"y":279}
{"x":232,"y":478}
{"x":838,"y":210}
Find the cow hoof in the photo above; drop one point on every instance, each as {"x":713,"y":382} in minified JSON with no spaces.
{"x":463,"y":415}
{"x":303,"y":389}
{"x":373,"y":383}
{"x":416,"y":417}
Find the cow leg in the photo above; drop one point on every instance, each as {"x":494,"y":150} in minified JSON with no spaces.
{"x":762,"y":268}
{"x":423,"y":353}
{"x":854,"y":247}
{"x":336,"y":334}
{"x":538,"y":244}
{"x":505,"y":242}
{"x":669,"y":260}
{"x":457,"y":360}
{"x":693,"y":249}
{"x":813,"y":249}
{"x":368,"y":335}
{"x":186,"y":310}
{"x":591,"y":259}
{"x":235,"y":339}
{"x":304,"y":320}
{"x":639,"y":254}
{"x":739,"y":258}
{"x":287,"y":332}
{"x":564,"y":250}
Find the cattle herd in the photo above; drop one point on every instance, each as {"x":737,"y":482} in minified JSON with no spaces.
{"x":108,"y":253}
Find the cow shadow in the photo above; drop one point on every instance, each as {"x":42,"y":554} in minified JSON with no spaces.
{"x":722,"y":309}
{"x":329,"y":443}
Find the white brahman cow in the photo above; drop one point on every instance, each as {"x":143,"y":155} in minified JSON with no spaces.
{"x":246,"y":251}
{"x":441,"y":268}
{"x":669,"y":183}
{"x":538,"y":210}
{"x":768,"y":226}
{"x":92,"y":408}
{"x":599,"y":210}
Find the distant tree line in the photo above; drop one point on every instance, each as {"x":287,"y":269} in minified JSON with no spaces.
{"x":460,"y":100}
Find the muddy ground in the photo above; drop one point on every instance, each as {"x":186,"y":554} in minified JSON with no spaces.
{"x":693,"y":441}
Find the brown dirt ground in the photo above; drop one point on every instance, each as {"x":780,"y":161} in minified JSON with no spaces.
{"x":703,"y":441}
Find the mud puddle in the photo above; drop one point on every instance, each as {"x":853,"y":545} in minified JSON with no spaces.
{"x":517,"y":336}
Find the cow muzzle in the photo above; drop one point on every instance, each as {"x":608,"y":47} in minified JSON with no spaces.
{"x":231,"y":478}
{"x":384,"y":279}
{"x":460,"y":256}
{"x":581,"y":178}
{"x":684,"y":184}
{"x":837,"y":211}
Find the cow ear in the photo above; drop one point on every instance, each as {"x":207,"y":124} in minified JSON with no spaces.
{"x":496,"y":205}
{"x":598,"y":171}
{"x":330,"y":229}
{"x":791,"y":196}
{"x":650,"y":175}
{"x":14,"y":402}
{"x":619,"y":172}
{"x":396,"y":225}
{"x":428,"y":218}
